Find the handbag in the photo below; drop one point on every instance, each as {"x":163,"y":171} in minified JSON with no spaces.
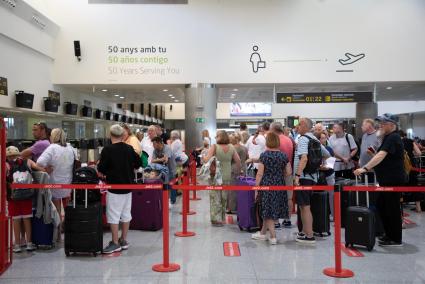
{"x":22,"y":177}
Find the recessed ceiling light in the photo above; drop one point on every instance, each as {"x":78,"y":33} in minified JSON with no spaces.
{"x":233,"y":95}
{"x":104,"y":90}
{"x":176,"y":101}
{"x":170,"y":95}
{"x":121,"y":97}
{"x":165,"y":90}
{"x":116,"y":95}
{"x":389,"y":88}
{"x":235,"y":90}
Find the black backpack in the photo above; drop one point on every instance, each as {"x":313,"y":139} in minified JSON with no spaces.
{"x":314,"y":156}
{"x":86,"y":175}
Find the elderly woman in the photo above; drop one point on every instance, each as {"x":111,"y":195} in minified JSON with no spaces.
{"x":59,"y":157}
{"x":225,"y":154}
{"x":130,"y":139}
{"x":147,"y":144}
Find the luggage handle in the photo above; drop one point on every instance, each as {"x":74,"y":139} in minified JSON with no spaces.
{"x":73,"y":201}
{"x":366,"y":179}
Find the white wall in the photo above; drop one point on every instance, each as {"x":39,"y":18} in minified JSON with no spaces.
{"x":399,"y":107}
{"x":211,"y":41}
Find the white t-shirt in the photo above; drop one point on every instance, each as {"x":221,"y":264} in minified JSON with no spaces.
{"x":177,"y":147}
{"x":61,"y":159}
{"x":340,"y":146}
{"x":255,"y":150}
{"x":147,"y":146}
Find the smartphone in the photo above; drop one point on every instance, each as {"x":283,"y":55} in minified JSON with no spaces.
{"x":370,"y":148}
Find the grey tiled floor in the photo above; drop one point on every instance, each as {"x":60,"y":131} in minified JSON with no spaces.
{"x":202,"y":261}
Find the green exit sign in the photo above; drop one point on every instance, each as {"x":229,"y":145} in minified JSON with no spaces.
{"x":200,"y":120}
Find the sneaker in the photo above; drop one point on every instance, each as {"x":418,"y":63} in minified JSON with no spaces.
{"x":17,"y":249}
{"x":124,"y":244}
{"x":277,"y":226}
{"x":300,"y":234}
{"x":31,"y":247}
{"x":390,"y":244}
{"x":273,"y":241}
{"x":111,"y":248}
{"x":259,"y":236}
{"x":287,"y":223}
{"x":383,"y":239}
{"x":306,"y":240}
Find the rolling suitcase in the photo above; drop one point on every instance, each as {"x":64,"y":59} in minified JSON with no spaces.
{"x":146,"y":208}
{"x":360,"y":224}
{"x":246,"y":212}
{"x":42,"y":234}
{"x":319,"y":206}
{"x":83,"y":228}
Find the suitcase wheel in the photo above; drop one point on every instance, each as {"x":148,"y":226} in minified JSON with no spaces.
{"x":369,"y":248}
{"x":240,"y":228}
{"x":347,"y":245}
{"x":95,"y":254}
{"x":67,"y":252}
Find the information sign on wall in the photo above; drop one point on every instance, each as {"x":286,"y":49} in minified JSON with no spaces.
{"x":333,"y":97}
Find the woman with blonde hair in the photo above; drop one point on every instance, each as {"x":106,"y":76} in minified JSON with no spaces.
{"x":225,"y":154}
{"x":59,"y":159}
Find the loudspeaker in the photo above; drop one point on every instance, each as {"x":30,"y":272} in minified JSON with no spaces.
{"x":51,"y":104}
{"x":171,"y":107}
{"x":86,"y":111}
{"x":77,"y":49}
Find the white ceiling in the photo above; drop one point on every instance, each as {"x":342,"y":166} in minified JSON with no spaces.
{"x":386,"y":91}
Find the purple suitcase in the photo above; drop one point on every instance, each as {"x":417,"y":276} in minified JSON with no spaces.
{"x":246,"y":205}
{"x":146,"y":208}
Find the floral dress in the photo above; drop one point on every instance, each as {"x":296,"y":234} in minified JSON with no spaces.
{"x":274,"y":204}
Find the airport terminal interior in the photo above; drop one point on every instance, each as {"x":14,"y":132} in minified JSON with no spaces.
{"x":187,"y":101}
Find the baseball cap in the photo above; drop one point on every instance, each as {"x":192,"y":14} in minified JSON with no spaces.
{"x":387,"y":117}
{"x":12,"y":151}
{"x":116,"y":130}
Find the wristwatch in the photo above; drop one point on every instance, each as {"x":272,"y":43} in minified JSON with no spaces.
{"x":366,"y":169}
{"x":297,"y":175}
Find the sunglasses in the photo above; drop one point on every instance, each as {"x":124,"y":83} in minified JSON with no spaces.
{"x":41,"y":124}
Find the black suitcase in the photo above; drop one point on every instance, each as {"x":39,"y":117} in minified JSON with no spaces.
{"x":83,"y":228}
{"x":360,"y":225}
{"x":320,"y":210}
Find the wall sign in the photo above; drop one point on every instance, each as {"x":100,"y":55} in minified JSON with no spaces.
{"x":3,"y":86}
{"x":334,"y":97}
{"x":55,"y":96}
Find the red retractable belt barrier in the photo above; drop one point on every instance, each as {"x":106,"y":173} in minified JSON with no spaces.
{"x":386,"y":188}
{"x":185,"y":210}
{"x":5,"y":221}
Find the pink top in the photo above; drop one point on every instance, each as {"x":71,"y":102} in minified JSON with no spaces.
{"x":286,"y":146}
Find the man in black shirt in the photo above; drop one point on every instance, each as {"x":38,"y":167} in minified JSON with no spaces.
{"x":389,"y":169}
{"x":117,"y":164}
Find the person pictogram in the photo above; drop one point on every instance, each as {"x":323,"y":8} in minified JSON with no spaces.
{"x":256,"y":61}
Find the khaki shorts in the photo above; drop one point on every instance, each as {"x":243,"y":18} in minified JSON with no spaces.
{"x":289,"y":180}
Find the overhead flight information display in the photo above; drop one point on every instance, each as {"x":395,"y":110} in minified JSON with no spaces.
{"x":333,"y":97}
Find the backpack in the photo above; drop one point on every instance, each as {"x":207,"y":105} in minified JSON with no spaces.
{"x":86,"y":175}
{"x":314,"y":156}
{"x":407,"y":163}
{"x":21,"y":174}
{"x":356,"y":157}
{"x":144,"y":157}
